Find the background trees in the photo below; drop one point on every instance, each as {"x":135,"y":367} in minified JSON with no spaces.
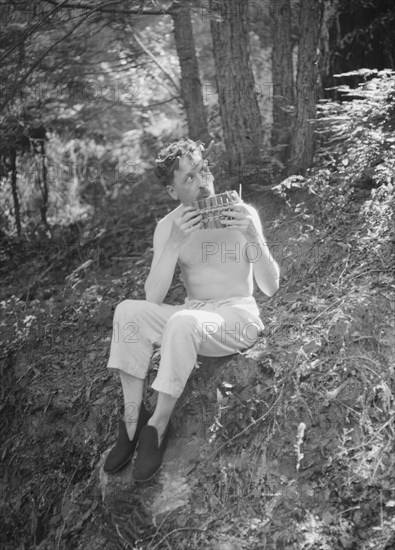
{"x":191,"y":86}
{"x":363,"y":35}
{"x":302,"y":145}
{"x":240,"y":116}
{"x":282,"y":74}
{"x":110,"y":83}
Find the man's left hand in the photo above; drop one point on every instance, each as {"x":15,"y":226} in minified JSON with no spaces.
{"x":241,"y":219}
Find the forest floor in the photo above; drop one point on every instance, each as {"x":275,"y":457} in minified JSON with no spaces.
{"x":296,"y":450}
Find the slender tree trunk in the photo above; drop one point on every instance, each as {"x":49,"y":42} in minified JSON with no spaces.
{"x":282,"y":74}
{"x":191,"y":87}
{"x":259,"y":12}
{"x":329,"y":19}
{"x":14,"y":188}
{"x":44,"y":186}
{"x":75,"y":184}
{"x":38,"y":148}
{"x":238,"y":105}
{"x":302,"y":145}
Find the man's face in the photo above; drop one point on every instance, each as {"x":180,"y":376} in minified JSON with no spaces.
{"x":192,"y":180}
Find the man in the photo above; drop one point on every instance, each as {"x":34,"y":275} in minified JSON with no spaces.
{"x":219,"y":317}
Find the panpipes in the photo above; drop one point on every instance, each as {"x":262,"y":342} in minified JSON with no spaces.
{"x":213,"y":208}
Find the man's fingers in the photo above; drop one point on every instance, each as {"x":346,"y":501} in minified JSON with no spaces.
{"x":238,"y":208}
{"x":233,"y":223}
{"x":233,"y":215}
{"x":188,"y":215}
{"x":192,"y":229}
{"x":193,"y":222}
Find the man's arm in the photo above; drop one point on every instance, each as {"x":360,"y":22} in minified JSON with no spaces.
{"x":162,"y":268}
{"x":266,"y":270}
{"x":169,"y":236}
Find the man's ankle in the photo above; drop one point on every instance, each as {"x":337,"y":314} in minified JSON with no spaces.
{"x":130,"y":428}
{"x":160,"y":426}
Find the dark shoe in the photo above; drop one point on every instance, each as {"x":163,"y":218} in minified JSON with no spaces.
{"x":124,"y":448}
{"x":149,"y":456}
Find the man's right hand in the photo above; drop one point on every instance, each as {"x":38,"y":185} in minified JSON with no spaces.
{"x":188,"y":221}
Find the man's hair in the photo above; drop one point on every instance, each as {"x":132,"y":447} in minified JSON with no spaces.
{"x":167,"y":163}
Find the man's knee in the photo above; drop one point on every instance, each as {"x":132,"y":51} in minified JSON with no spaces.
{"x":183,"y":322}
{"x":131,"y":310}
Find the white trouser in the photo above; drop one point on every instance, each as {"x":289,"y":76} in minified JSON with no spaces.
{"x":213,"y":328}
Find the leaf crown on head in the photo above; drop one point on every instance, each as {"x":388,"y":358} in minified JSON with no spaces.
{"x":169,"y":157}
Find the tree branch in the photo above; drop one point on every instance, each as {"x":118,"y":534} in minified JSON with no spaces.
{"x":161,"y":67}
{"x":140,"y":105}
{"x":51,"y":47}
{"x":33,"y":29}
{"x":137,"y":11}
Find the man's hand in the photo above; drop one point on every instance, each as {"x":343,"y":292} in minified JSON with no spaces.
{"x":241,"y":219}
{"x":186,"y":223}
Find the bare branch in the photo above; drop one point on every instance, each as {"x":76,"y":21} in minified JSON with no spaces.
{"x":100,"y":9}
{"x":32,"y":30}
{"x":155,"y":60}
{"x":51,"y":47}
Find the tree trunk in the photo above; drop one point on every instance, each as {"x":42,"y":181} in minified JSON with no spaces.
{"x":282,"y":74}
{"x":38,"y":147}
{"x":44,"y":187}
{"x":302,"y":145}
{"x":14,"y":188}
{"x":238,"y":105}
{"x":329,"y":18}
{"x":191,"y":87}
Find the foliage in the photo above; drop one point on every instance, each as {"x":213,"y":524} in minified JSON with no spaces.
{"x":364,"y":35}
